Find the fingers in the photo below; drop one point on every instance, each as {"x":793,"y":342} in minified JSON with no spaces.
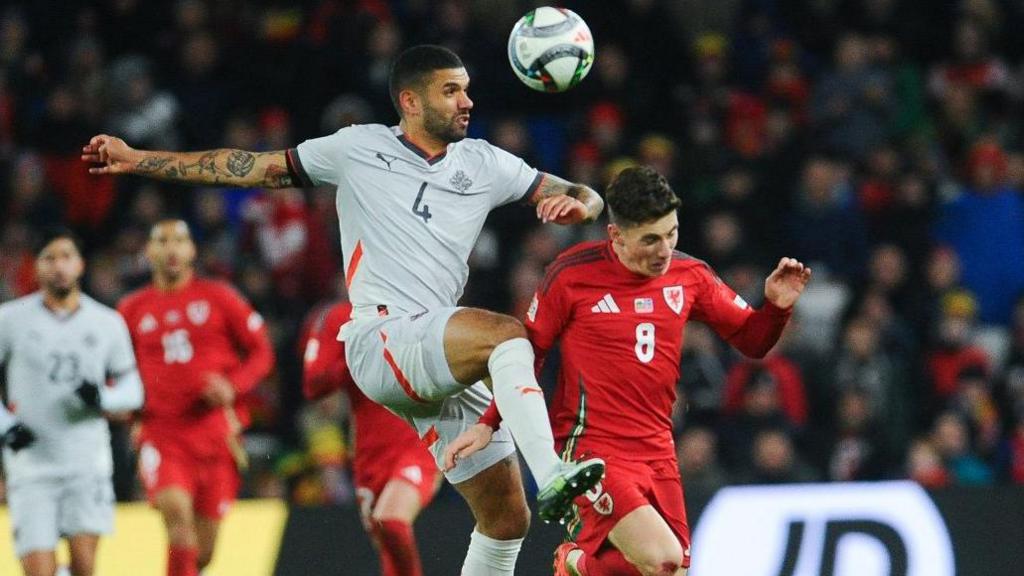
{"x":556,"y":207}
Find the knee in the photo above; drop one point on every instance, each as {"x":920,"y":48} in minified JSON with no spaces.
{"x":666,"y":560}
{"x":503,"y":328}
{"x":509,"y":525}
{"x":82,"y":567}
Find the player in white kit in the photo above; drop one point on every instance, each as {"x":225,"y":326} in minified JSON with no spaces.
{"x":61,"y":348}
{"x":411,"y":201}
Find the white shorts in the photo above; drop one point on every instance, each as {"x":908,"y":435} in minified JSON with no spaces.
{"x":399,"y":363}
{"x":47,"y":509}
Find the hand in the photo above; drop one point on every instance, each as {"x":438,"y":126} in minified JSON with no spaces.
{"x":469,"y":442}
{"x":562,"y":209}
{"x":218,"y":391}
{"x":785,"y":284}
{"x":116,"y":156}
{"x":18,"y":437}
{"x":89,"y":393}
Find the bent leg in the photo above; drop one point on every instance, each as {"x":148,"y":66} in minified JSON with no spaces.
{"x":646,"y":540}
{"x":207,"y":530}
{"x":498,"y":503}
{"x":477,"y":344}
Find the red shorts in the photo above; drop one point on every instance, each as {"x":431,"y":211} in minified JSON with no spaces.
{"x":628,"y":485}
{"x":415,"y":466}
{"x":211,"y":480}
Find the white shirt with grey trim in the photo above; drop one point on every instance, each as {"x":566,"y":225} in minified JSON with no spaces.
{"x":47,"y":356}
{"x":408,"y":222}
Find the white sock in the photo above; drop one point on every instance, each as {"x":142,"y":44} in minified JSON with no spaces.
{"x":489,"y":557}
{"x":522,"y":406}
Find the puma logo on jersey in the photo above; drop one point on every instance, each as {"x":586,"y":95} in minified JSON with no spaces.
{"x":387,"y":160}
{"x":524,"y":390}
{"x":606,"y":305}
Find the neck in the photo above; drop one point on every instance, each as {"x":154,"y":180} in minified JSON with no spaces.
{"x":421,"y":138}
{"x":56,"y":303}
{"x":168,"y":284}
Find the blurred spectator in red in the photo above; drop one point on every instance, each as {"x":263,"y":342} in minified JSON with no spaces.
{"x":954,"y":350}
{"x":786,"y":376}
{"x":925,"y":465}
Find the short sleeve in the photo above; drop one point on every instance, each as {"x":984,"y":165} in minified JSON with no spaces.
{"x":514,"y":179}
{"x":718,"y":305}
{"x":549,"y":313}
{"x":122,"y":357}
{"x":317,"y":161}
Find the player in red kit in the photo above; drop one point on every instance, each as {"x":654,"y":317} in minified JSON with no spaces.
{"x":200,"y":348}
{"x":395,"y":474}
{"x":618,"y":309}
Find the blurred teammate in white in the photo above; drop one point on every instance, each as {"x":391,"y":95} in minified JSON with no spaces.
{"x":412,"y":200}
{"x":69,"y":362}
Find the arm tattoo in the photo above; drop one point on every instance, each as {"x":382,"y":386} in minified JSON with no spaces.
{"x":240,"y":163}
{"x":277,"y":177}
{"x":151,"y":164}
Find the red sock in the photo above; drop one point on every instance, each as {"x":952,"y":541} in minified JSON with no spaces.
{"x":398,"y":553}
{"x":607,"y":562}
{"x":182,"y":561}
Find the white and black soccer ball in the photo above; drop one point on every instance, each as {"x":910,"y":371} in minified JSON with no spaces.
{"x":551,"y":49}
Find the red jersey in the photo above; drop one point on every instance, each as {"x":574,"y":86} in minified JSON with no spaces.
{"x":621,"y":338}
{"x":380,"y":436}
{"x":180,"y":336}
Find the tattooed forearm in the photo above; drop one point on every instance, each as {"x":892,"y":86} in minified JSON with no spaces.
{"x":223,"y":167}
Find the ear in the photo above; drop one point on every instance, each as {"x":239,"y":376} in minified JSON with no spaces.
{"x":410,"y":102}
{"x":615,"y":233}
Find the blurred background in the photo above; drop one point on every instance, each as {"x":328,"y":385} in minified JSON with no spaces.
{"x":880,"y":141}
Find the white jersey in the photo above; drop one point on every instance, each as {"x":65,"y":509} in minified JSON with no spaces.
{"x":408,"y":221}
{"x":48,"y":355}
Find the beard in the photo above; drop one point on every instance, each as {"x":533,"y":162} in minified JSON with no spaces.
{"x":444,"y":129}
{"x":60,"y":292}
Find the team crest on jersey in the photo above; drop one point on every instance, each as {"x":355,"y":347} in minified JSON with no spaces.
{"x":674,"y":297}
{"x":198,"y":312}
{"x":172,"y":317}
{"x":600,"y":500}
{"x":643,"y":305}
{"x":460,"y":181}
{"x":147,"y":324}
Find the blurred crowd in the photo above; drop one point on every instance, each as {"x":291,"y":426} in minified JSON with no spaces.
{"x":879,"y":141}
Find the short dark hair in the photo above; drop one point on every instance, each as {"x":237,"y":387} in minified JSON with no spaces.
{"x":414,"y":63}
{"x":639,"y":194}
{"x":55,"y":232}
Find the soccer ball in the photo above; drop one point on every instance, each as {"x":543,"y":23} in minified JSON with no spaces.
{"x":551,"y":49}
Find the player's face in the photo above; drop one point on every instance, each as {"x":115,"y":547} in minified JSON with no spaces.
{"x":58,"y":267}
{"x":647,"y":248}
{"x":170,"y":249}
{"x":446,"y":104}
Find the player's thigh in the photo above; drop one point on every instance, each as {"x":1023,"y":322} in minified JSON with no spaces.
{"x":647,"y":541}
{"x":87,"y":506}
{"x":470,"y":337}
{"x":175,"y":505}
{"x":497,"y":500}
{"x":399,"y":361}
{"x":33,"y":507}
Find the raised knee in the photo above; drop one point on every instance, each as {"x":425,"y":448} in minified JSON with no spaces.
{"x":662,"y":561}
{"x":505,"y":328}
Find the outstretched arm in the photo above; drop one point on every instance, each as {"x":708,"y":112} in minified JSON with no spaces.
{"x":223,"y":167}
{"x":563,"y":202}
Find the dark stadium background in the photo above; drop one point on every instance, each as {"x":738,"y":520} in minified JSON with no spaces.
{"x":877,"y":140}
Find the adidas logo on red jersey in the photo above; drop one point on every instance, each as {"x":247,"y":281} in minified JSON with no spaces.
{"x":606,"y":305}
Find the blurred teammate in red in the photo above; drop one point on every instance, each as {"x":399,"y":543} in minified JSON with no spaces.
{"x":200,"y":348}
{"x":395,"y":474}
{"x":618,"y":308}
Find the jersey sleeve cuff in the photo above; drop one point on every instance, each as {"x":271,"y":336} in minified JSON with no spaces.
{"x":530,"y":197}
{"x":295,"y":169}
